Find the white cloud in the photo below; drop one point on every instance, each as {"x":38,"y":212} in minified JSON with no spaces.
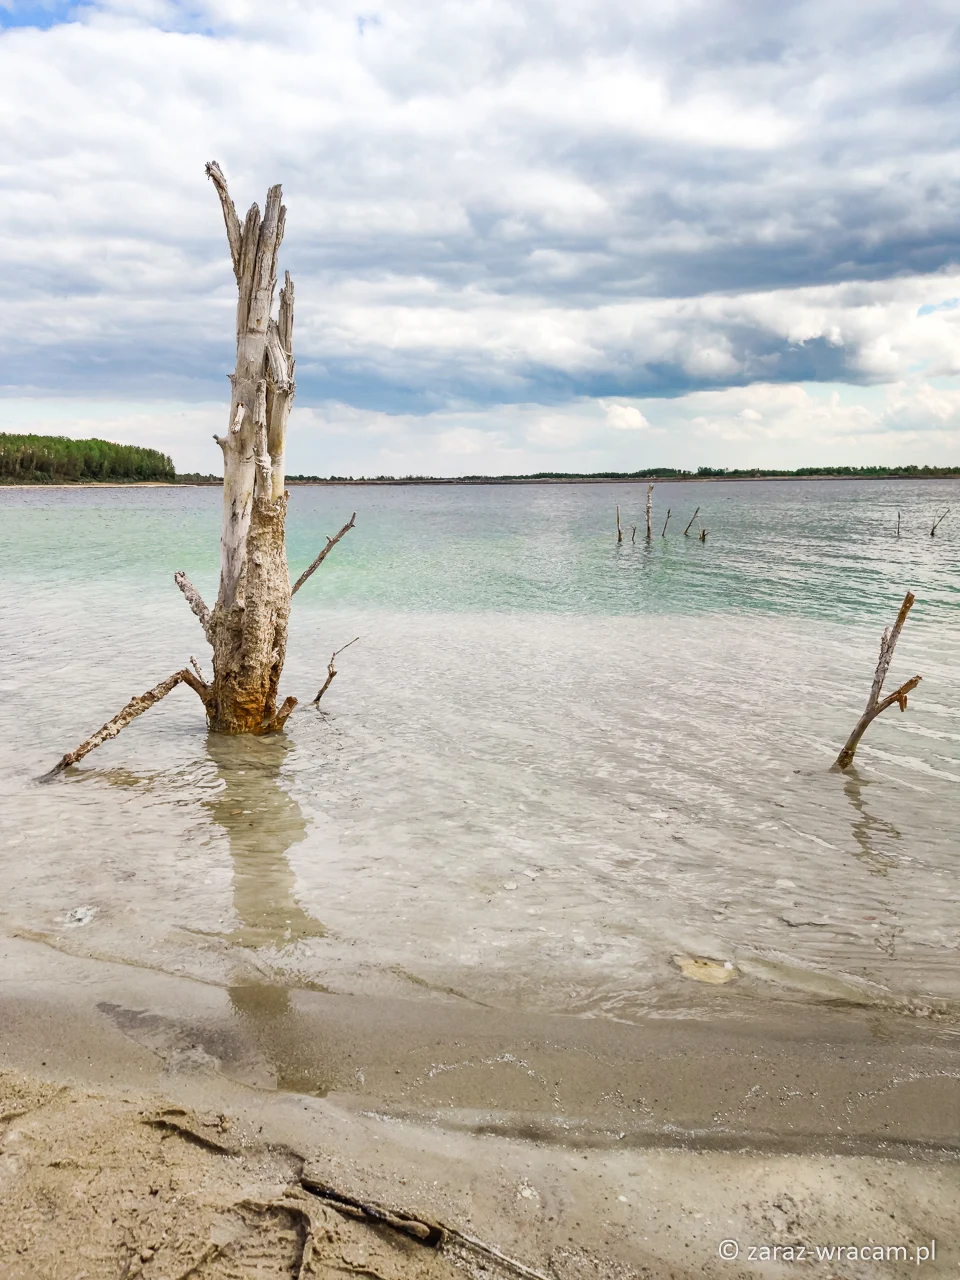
{"x":583,"y":205}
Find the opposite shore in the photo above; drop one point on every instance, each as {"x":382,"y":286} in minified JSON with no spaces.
{"x":474,"y":481}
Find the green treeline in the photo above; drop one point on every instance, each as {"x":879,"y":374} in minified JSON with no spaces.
{"x":57,"y":460}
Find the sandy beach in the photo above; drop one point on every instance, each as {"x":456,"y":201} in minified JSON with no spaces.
{"x":147,"y":1130}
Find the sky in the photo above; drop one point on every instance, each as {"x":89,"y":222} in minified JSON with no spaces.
{"x":525,"y":235}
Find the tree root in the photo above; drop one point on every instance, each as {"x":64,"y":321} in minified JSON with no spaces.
{"x":135,"y":707}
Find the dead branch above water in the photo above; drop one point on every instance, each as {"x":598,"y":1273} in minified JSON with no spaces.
{"x":331,"y":543}
{"x":876,"y":704}
{"x":135,"y":707}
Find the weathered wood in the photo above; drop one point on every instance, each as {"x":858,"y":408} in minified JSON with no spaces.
{"x":649,"y":510}
{"x":135,"y":707}
{"x":247,"y":628}
{"x":663,"y":532}
{"x":194,"y":600}
{"x":690,"y":525}
{"x":619,"y":530}
{"x":331,"y":543}
{"x":876,"y":704}
{"x":937,"y":521}
{"x":898,"y":524}
{"x":633,"y":533}
{"x":331,"y":669}
{"x":248,"y":625}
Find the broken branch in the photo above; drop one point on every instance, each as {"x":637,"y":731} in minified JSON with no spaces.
{"x":135,"y":707}
{"x":690,"y":525}
{"x":331,"y":543}
{"x":874,"y":703}
{"x":331,"y":669}
{"x":194,"y":600}
{"x":663,"y":532}
{"x":937,"y":520}
{"x":232,"y":222}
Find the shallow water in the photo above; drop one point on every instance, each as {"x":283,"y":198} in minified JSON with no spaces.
{"x":549,"y":765}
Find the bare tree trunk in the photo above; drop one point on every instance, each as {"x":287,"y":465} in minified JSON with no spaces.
{"x":874,"y":703}
{"x":248,"y":625}
{"x":619,"y":530}
{"x":247,"y":628}
{"x":649,"y":510}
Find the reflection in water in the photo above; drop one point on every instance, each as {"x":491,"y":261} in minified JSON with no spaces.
{"x":262,"y":821}
{"x":867,"y":829}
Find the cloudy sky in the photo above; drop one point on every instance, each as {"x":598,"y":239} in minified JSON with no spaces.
{"x":525,"y":235}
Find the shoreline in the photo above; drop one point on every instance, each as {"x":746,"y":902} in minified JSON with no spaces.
{"x":470,"y":483}
{"x":167,"y":1120}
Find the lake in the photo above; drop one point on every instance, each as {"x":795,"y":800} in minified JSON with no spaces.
{"x":550,"y":764}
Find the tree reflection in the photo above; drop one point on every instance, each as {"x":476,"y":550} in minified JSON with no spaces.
{"x":262,"y":821}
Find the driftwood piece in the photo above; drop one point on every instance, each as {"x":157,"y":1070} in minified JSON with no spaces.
{"x":619,"y":530}
{"x":876,"y":704}
{"x":135,"y":707}
{"x":663,"y":532}
{"x":331,"y":543}
{"x":331,"y":669}
{"x":937,"y":521}
{"x":649,"y":510}
{"x":690,"y":525}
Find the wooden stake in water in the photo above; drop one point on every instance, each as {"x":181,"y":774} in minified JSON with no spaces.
{"x":663,"y":533}
{"x":690,"y":525}
{"x":649,"y":509}
{"x":876,"y":704}
{"x":898,"y":524}
{"x":619,"y":530}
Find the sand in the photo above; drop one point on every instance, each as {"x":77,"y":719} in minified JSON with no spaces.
{"x":157,"y":1126}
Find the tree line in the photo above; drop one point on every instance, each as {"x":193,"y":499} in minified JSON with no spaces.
{"x":28,"y":459}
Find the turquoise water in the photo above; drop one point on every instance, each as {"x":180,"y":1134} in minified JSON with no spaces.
{"x":551,"y":763}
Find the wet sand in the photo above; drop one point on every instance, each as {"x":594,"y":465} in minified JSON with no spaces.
{"x":578,"y":1147}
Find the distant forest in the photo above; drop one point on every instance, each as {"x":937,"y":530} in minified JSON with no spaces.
{"x":57,"y":460}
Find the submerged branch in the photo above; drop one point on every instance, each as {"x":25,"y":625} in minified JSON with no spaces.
{"x":135,"y":707}
{"x":875,"y":705}
{"x":331,"y":543}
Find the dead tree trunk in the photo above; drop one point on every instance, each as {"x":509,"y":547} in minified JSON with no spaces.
{"x":619,"y":530}
{"x":247,"y":628}
{"x":649,"y":510}
{"x":874,"y":703}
